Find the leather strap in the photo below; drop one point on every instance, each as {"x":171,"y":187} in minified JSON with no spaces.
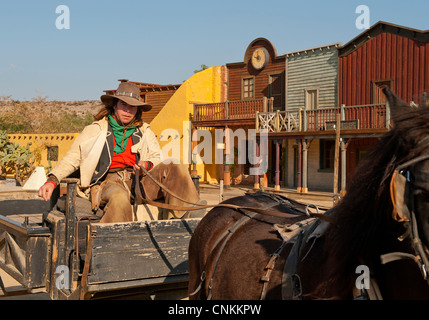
{"x":195,"y":206}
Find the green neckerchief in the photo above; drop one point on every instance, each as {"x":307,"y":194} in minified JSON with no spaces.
{"x":120,"y":138}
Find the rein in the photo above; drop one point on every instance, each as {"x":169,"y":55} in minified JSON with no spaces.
{"x":196,"y":206}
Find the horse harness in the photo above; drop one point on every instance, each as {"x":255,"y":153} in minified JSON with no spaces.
{"x":196,"y":206}
{"x":402,"y":195}
{"x":295,"y":234}
{"x":312,"y":228}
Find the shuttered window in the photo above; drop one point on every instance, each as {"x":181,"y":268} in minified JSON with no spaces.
{"x":311,"y":99}
{"x":248,"y":88}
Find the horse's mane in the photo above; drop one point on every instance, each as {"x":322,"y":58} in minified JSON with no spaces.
{"x":362,"y":219}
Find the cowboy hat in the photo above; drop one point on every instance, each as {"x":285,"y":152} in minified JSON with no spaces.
{"x":127,"y":92}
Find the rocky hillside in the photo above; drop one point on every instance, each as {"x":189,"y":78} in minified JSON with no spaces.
{"x":41,"y":116}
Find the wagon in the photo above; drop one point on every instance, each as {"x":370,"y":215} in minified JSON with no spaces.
{"x":60,"y":248}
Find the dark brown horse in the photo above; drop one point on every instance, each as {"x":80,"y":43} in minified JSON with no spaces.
{"x":231,"y":257}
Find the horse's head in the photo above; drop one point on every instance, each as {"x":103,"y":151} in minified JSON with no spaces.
{"x":410,"y":179}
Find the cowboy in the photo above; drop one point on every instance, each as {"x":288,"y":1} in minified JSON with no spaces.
{"x":111,"y":150}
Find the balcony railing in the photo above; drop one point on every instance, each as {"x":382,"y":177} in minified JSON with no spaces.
{"x":373,"y":116}
{"x":279,"y":121}
{"x":231,"y":110}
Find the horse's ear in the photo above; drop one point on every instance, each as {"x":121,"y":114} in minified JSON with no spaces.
{"x":397,"y":106}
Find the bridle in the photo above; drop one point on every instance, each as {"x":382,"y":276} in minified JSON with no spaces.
{"x":402,"y":195}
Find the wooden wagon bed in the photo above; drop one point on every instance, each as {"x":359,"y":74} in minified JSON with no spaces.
{"x":70,"y":255}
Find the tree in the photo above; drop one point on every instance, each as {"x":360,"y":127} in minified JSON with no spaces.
{"x":203,"y":67}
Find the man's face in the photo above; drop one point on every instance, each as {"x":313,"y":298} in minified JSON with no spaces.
{"x":125,"y":112}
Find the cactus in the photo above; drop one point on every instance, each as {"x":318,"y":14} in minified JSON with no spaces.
{"x":17,"y":157}
{"x":4,"y":139}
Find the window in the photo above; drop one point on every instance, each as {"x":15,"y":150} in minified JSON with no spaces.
{"x":143,"y":97}
{"x":327,"y":154}
{"x":275,"y":90}
{"x":248,"y":88}
{"x":377,"y":91}
{"x":361,"y":155}
{"x":311,"y":99}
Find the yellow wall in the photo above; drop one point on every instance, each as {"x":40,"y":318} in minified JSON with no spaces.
{"x":202,"y":87}
{"x":40,"y":143}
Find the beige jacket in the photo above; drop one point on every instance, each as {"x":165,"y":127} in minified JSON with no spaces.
{"x":91,"y":153}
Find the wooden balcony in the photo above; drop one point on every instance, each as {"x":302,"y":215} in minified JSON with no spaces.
{"x":372,"y":116}
{"x":259,"y":113}
{"x":229,"y":112}
{"x":375,"y":117}
{"x":279,"y":121}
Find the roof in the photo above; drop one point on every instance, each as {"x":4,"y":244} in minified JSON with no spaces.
{"x":382,"y":27}
{"x":149,"y":87}
{"x":305,"y":51}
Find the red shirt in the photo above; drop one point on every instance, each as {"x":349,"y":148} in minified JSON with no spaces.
{"x":124,"y":159}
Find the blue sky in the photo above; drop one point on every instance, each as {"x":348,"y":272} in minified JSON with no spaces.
{"x":163,"y":41}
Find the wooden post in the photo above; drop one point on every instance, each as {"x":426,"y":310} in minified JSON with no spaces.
{"x":257,"y":121}
{"x":343,"y":168}
{"x":277,"y":121}
{"x":299,"y":165}
{"x":304,"y":170}
{"x":220,"y":149}
{"x":194,"y":153}
{"x":387,"y":115}
{"x":221,"y":177}
{"x":304,"y":120}
{"x":337,"y":152}
{"x":70,"y":225}
{"x":194,"y":173}
{"x":227,"y":174}
{"x":277,"y":177}
{"x":286,"y":164}
{"x":256,"y":185}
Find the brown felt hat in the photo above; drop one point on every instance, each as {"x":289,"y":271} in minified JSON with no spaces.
{"x":127,"y":92}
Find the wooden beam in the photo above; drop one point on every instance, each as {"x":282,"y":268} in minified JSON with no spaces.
{"x":337,"y":152}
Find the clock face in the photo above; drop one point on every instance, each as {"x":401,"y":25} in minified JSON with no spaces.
{"x":260,"y":58}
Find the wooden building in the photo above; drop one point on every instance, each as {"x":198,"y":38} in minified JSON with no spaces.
{"x":384,"y":55}
{"x":320,"y":86}
{"x":312,"y":78}
{"x":261,"y":74}
{"x":311,"y":87}
{"x":254,"y":85}
{"x":155,"y":94}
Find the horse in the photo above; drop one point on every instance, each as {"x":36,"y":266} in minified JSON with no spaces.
{"x":371,"y":245}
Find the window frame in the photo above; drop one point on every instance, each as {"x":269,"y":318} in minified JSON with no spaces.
{"x":243,"y":79}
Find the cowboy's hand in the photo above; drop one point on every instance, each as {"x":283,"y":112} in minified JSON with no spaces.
{"x":46,"y":190}
{"x":141,"y":164}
